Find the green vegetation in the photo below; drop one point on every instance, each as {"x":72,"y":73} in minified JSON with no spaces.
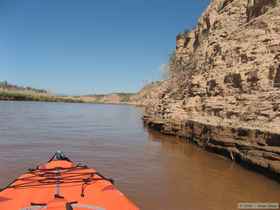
{"x":172,"y":56}
{"x":169,"y":69}
{"x":183,"y":34}
{"x":29,"y":96}
{"x":10,"y":92}
{"x":4,"y":85}
{"x":274,"y":3}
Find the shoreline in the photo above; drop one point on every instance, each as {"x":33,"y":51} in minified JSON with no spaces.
{"x":222,"y":88}
{"x":52,"y":99}
{"x":31,"y":96}
{"x":70,"y":101}
{"x":232,"y":143}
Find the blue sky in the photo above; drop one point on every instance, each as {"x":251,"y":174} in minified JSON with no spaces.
{"x":90,"y":46}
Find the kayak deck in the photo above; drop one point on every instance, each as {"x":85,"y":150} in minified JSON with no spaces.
{"x":60,"y":184}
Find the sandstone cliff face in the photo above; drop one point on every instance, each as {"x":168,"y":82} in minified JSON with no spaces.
{"x":224,"y":88}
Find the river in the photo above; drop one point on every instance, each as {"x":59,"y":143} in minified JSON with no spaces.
{"x":157,"y":172}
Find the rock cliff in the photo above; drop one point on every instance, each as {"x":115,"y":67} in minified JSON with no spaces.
{"x":224,"y":87}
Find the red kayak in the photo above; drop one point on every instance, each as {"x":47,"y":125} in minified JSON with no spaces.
{"x":60,"y":184}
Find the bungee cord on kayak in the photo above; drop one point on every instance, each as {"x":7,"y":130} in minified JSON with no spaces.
{"x":61,"y":184}
{"x":54,"y":176}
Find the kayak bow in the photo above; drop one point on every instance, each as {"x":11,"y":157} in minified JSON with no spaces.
{"x":61,"y":184}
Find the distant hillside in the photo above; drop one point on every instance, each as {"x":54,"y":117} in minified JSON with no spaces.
{"x":13,"y":92}
{"x":112,"y":98}
{"x":10,"y":92}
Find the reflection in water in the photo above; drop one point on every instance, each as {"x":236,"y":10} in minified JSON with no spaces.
{"x":208,"y":181}
{"x":156,"y":171}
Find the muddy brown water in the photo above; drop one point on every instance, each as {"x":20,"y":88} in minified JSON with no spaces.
{"x":157,"y":172}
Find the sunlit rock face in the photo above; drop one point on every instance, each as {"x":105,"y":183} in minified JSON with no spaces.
{"x":224,"y":86}
{"x":256,"y":8}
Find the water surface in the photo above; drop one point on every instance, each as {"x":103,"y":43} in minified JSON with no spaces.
{"x":157,"y":172}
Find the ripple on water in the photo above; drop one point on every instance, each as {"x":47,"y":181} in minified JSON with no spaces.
{"x":157,"y":172}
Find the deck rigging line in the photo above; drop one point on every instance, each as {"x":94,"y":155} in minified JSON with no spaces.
{"x":57,"y":176}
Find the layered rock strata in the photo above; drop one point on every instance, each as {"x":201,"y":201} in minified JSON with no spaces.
{"x":224,"y":87}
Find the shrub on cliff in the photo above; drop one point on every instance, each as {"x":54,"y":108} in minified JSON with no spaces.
{"x":183,"y":34}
